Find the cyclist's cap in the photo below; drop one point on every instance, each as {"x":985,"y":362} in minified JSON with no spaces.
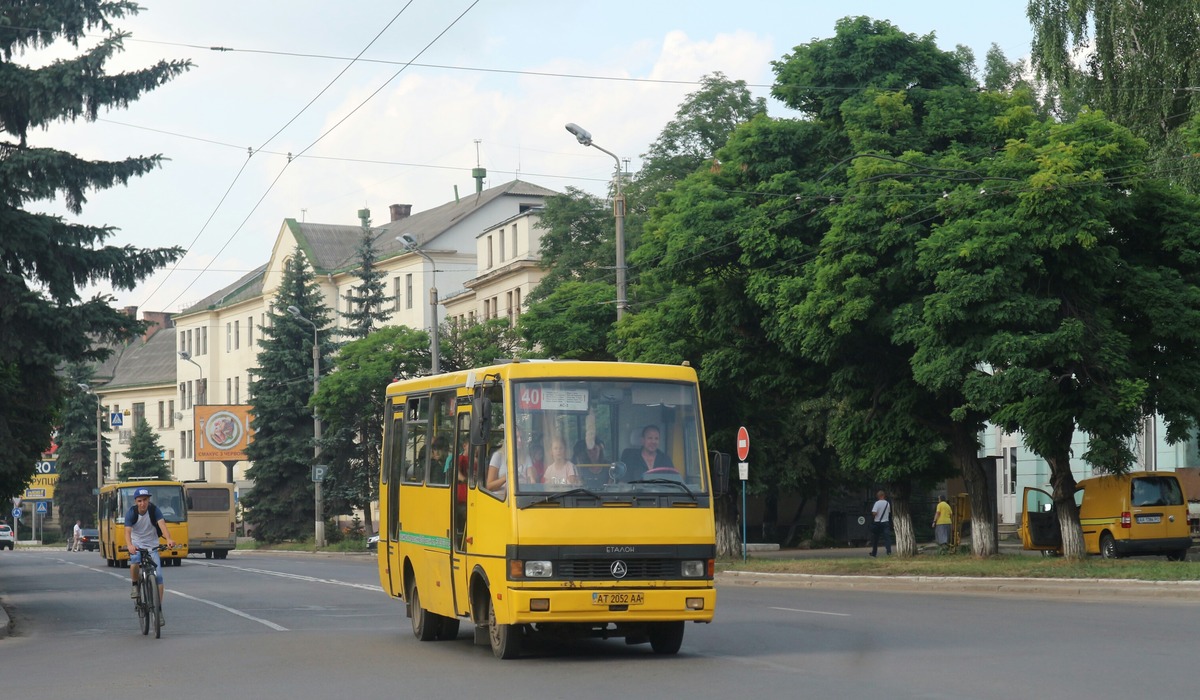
{"x":141,"y":492}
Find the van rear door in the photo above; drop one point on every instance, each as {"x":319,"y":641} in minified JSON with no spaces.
{"x":1039,"y":522}
{"x":1153,"y":502}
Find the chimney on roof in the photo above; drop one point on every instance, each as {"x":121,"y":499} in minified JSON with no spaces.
{"x":155,"y":320}
{"x":400,"y":211}
{"x":130,"y":311}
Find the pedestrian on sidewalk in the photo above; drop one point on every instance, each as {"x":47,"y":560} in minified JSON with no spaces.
{"x":942,"y":518}
{"x":881,"y":523}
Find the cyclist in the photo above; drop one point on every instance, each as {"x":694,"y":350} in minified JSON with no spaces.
{"x":144,"y":524}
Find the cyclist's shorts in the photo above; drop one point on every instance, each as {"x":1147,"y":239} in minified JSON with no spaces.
{"x":136,"y":558}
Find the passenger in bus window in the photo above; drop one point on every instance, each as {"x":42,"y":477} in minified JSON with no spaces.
{"x":589,"y":449}
{"x":560,"y":471}
{"x":439,"y":461}
{"x":638,"y":461}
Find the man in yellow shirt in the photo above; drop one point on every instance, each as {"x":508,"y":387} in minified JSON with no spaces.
{"x":941,"y":523}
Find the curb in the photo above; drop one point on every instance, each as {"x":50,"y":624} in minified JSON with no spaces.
{"x":1051,"y":587}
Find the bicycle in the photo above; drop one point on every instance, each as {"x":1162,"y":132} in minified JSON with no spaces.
{"x":148,"y":605}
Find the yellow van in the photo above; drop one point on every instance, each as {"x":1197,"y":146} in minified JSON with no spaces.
{"x":1121,"y":514}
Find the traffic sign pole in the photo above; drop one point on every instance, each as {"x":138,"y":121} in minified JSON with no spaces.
{"x":743,"y":451}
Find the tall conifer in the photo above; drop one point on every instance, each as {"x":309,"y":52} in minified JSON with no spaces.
{"x":280,"y":507}
{"x":45,"y":258}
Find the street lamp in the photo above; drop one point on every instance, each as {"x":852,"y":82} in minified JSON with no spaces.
{"x":319,"y":530}
{"x":585,"y":137}
{"x":187,"y":357}
{"x":410,"y":244}
{"x":99,"y":448}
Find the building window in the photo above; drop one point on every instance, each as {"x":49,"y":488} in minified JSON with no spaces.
{"x":228,"y":337}
{"x":237,"y":334}
{"x":183,"y":442}
{"x":514,"y":240}
{"x":408,"y":291}
{"x":510,"y":308}
{"x":486,"y":302}
{"x":250,"y":332}
{"x":183,"y":395}
{"x":161,"y":411}
{"x":502,"y":246}
{"x":489,"y":252}
{"x":182,"y":343}
{"x":188,"y":338}
{"x":171,"y":413}
{"x":228,"y":390}
{"x":395,"y":294}
{"x":517,"y":299}
{"x":203,"y":340}
{"x":237,"y":391}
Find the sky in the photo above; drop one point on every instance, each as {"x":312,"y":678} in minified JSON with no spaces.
{"x":441,"y":87}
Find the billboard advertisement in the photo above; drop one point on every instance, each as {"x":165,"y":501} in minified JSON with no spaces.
{"x":222,"y":432}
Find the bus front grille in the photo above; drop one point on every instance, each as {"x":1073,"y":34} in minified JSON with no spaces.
{"x":602,"y":569}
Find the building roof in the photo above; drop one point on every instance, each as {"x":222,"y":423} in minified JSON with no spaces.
{"x":335,"y":248}
{"x":146,"y":364}
{"x":246,"y":287}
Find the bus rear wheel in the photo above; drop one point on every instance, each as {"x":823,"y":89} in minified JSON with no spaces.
{"x":666,"y":637}
{"x":505,"y":639}
{"x":425,"y":625}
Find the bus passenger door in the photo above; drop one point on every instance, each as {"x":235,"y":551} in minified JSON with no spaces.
{"x":460,"y":487}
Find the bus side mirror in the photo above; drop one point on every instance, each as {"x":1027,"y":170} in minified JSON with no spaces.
{"x":719,"y":463}
{"x":481,"y":420}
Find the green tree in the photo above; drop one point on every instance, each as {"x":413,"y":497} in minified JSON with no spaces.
{"x":351,"y":398}
{"x":281,"y":507}
{"x":475,"y":344}
{"x":571,"y":311}
{"x":145,"y":455}
{"x":1142,"y":66}
{"x":366,"y":301}
{"x":1066,"y":298}
{"x":45,"y":258}
{"x":73,"y":494}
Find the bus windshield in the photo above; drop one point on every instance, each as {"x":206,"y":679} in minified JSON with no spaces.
{"x":608,"y":437}
{"x":168,"y":498}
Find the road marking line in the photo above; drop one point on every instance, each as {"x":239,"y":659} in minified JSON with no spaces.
{"x":813,"y":612}
{"x":239,"y":613}
{"x":300,"y":577}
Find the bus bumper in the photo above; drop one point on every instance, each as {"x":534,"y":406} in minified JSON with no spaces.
{"x":598,"y":605}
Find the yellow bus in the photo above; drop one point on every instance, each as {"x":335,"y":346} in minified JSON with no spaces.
{"x":115,"y":499}
{"x":212,"y":518}
{"x":618,"y":543}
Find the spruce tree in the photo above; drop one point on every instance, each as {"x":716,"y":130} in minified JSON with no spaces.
{"x":73,"y":494}
{"x":366,"y":301}
{"x":145,"y":455}
{"x":44,"y":258}
{"x":280,"y":506}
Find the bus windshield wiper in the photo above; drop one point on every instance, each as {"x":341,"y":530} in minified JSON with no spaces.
{"x":672,"y":482}
{"x":560,"y":494}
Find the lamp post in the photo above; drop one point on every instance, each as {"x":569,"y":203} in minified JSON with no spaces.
{"x":585,"y":137}
{"x":99,"y":448}
{"x":319,"y":530}
{"x":410,"y":244}
{"x":203,"y":394}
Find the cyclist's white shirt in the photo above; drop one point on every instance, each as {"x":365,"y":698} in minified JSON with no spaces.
{"x":143,"y":533}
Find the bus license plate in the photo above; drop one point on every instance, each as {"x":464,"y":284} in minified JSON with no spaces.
{"x":618,"y":598}
{"x":1151,"y":519}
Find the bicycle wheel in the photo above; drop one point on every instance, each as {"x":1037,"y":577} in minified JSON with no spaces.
{"x":155,"y":608}
{"x":143,"y":603}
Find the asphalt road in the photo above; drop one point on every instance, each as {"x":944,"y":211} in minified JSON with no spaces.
{"x":273,"y":626}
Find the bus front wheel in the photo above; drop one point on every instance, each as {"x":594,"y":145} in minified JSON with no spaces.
{"x":505,"y":639}
{"x":666,"y":637}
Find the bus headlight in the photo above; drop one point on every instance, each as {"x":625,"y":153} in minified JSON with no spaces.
{"x":694,"y":568}
{"x":539,"y":569}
